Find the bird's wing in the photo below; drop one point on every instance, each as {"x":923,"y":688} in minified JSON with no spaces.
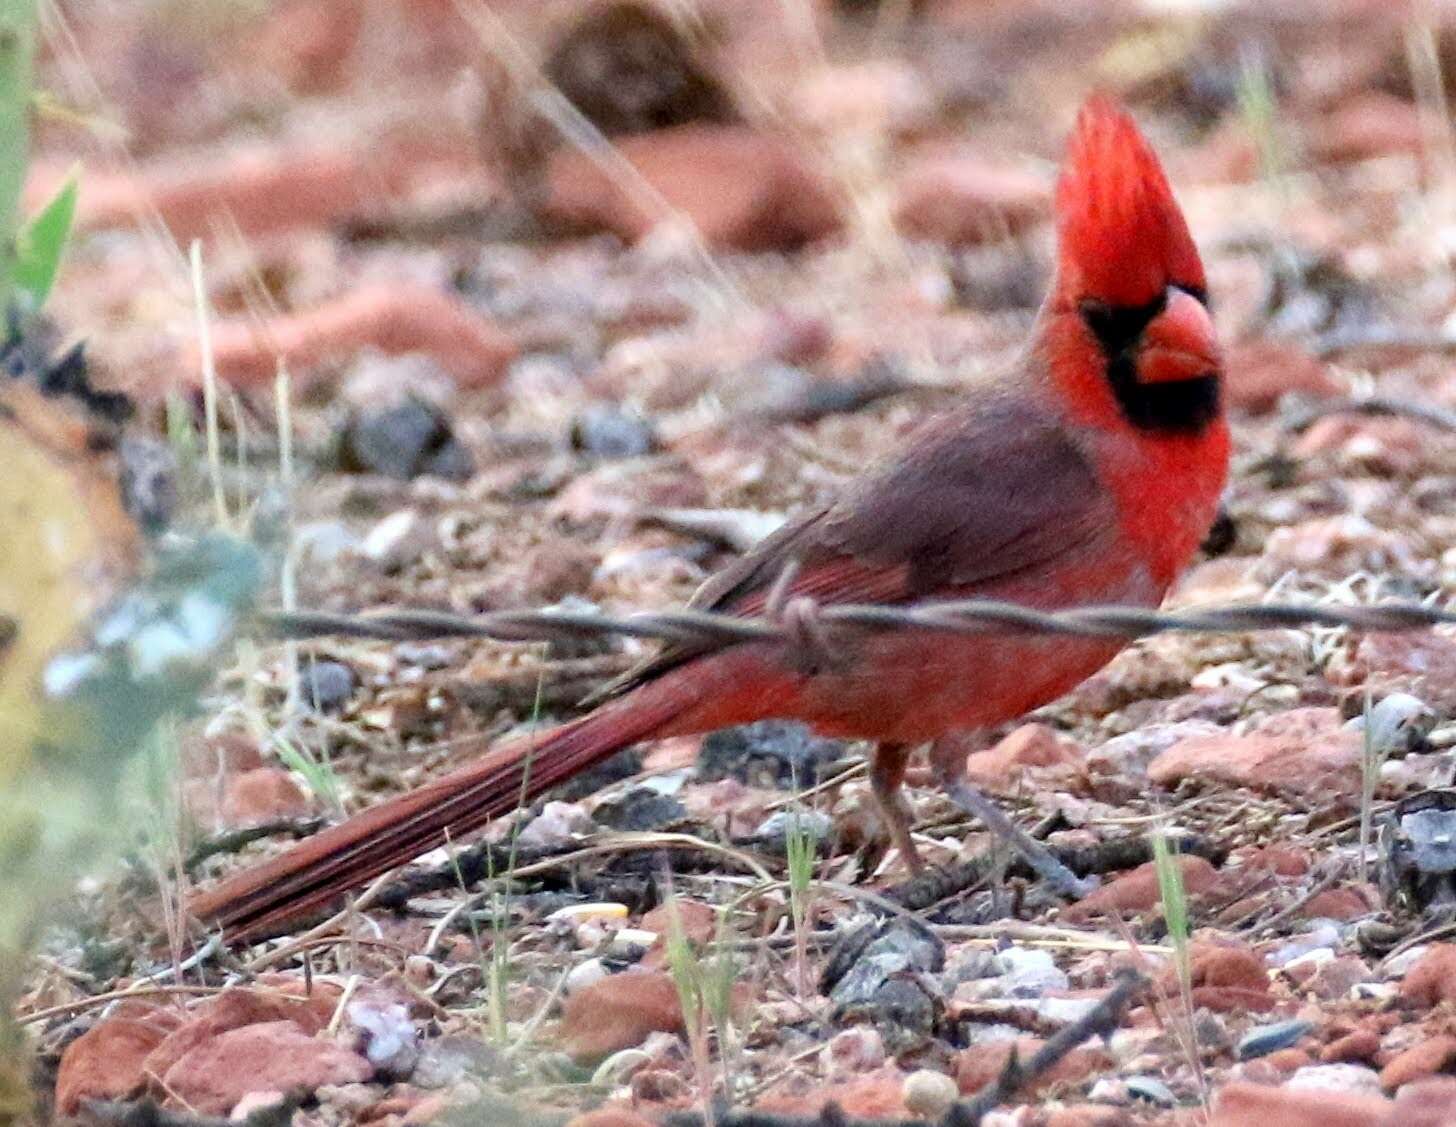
{"x":980,"y":496}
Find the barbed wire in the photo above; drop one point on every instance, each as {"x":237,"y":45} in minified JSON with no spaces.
{"x":804,"y":620}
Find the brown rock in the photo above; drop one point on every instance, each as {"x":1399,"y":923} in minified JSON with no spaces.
{"x":1137,"y":889}
{"x":263,"y":795}
{"x":740,"y":188}
{"x":105,"y":1062}
{"x":609,"y":1117}
{"x":960,"y":198}
{"x":1255,"y":1105}
{"x":1425,"y":1059}
{"x":278,"y":998}
{"x":618,"y":1012}
{"x":1303,"y":752}
{"x":1029,"y":746}
{"x":275,"y":1056}
{"x":1358,"y":1047}
{"x":1431,"y":980}
{"x":1257,"y":374}
{"x":981,"y":1064}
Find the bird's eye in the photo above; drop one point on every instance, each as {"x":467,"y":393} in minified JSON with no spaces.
{"x":1117,"y":327}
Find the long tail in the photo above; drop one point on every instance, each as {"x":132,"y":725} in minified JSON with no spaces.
{"x":257,"y":901}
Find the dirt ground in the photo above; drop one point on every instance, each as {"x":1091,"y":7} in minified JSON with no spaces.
{"x":578,"y":300}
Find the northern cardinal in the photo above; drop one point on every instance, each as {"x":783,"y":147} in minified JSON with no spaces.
{"x":1089,"y":475}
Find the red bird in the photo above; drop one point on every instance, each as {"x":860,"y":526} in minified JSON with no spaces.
{"x":1089,"y":475}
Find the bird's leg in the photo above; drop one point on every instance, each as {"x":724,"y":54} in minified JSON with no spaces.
{"x":887,"y":773}
{"x":948,"y":762}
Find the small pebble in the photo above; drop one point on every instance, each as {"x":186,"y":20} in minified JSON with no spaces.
{"x":618,"y":1068}
{"x":605,"y":431}
{"x":630,"y":940}
{"x":327,"y":685}
{"x":399,"y":540}
{"x":1336,"y":1078}
{"x":578,"y":913}
{"x":584,"y":974}
{"x":929,"y":1094}
{"x":1152,"y":1090}
{"x":1265,"y":1039}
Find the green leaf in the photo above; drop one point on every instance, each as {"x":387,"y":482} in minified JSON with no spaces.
{"x":41,"y":243}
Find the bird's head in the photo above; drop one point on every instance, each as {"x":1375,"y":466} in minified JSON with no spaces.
{"x":1129,"y":308}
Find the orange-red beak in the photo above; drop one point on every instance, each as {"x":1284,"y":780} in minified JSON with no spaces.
{"x":1179,"y":343}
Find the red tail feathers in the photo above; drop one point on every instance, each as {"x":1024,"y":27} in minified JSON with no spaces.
{"x":1122,"y":237}
{"x":258,"y":901}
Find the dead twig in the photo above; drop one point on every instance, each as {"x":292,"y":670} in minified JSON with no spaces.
{"x":936,"y":885}
{"x":232,"y":841}
{"x":1102,"y":1020}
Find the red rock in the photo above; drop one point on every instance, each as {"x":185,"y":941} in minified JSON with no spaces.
{"x":981,"y":1064}
{"x":1029,"y":746}
{"x":609,"y":1117}
{"x":275,"y":1056}
{"x":1337,"y":904}
{"x":1281,"y":860}
{"x":1303,"y":752}
{"x":1288,"y":1060}
{"x":618,"y":1012}
{"x":1369,"y":124}
{"x":225,"y":753}
{"x":959,"y":198}
{"x":1358,"y":1047}
{"x":1233,"y":999}
{"x":1422,"y":662}
{"x":699,"y":921}
{"x":1425,"y":1103}
{"x":1389,"y":447}
{"x":1257,"y":374}
{"x":1217,"y":965}
{"x":1335,"y":979}
{"x":1431,"y":980}
{"x":1226,"y":979}
{"x":1137,"y":889}
{"x":263,"y":795}
{"x":279,"y":998}
{"x":105,"y":1062}
{"x":1336,"y":547}
{"x":1425,"y":1059}
{"x":875,"y":1095}
{"x":1255,"y":1105}
{"x":740,"y":187}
